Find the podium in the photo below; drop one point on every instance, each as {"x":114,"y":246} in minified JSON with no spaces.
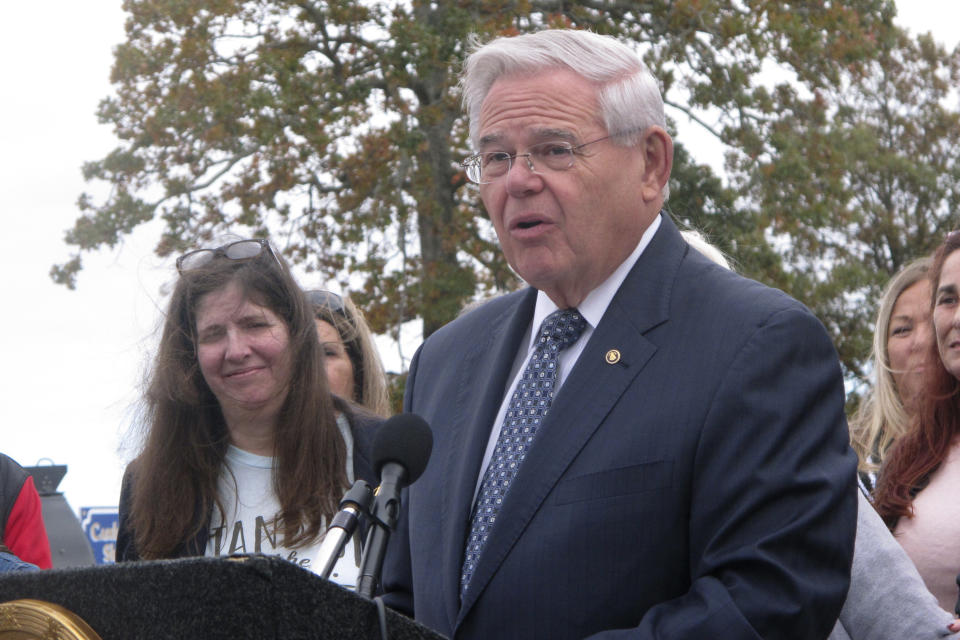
{"x":239,"y":597}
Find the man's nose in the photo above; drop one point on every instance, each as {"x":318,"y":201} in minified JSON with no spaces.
{"x":522,"y":176}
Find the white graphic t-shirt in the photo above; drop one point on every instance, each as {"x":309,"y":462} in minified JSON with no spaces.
{"x":252,"y":506}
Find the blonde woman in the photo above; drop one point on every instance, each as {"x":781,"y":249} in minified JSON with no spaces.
{"x":902,"y":345}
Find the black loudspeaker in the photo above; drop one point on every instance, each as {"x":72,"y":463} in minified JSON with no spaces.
{"x":241,"y":597}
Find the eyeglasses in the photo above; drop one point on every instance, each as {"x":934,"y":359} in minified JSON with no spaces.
{"x":484,"y":168}
{"x":239,"y":251}
{"x":326,"y":299}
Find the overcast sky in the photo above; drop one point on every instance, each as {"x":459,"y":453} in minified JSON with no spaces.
{"x":75,"y":359}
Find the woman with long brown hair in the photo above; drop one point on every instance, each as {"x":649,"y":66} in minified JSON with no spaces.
{"x":919,"y":482}
{"x":244,"y":449}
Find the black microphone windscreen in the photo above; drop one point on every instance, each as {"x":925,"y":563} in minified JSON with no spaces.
{"x":406,"y":439}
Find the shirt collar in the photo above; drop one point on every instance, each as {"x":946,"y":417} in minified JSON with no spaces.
{"x":595,"y":304}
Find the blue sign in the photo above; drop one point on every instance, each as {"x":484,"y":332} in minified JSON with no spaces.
{"x":100,"y":524}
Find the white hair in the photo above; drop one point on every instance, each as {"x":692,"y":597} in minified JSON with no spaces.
{"x":627,"y":92}
{"x":696,"y":240}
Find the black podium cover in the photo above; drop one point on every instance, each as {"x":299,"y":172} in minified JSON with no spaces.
{"x":245,"y":597}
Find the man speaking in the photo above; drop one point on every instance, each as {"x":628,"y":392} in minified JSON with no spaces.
{"x":641,"y":444}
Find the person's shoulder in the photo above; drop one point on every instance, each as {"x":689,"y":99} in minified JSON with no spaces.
{"x":477,"y":325}
{"x":482,"y":314}
{"x":492,"y":304}
{"x":364,"y":425}
{"x":735,"y":294}
{"x":362,"y":420}
{"x":130,"y":477}
{"x":491,"y":308}
{"x":715,"y":306}
{"x":133,"y":466}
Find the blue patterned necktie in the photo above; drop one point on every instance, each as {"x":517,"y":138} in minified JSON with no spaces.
{"x":528,"y":407}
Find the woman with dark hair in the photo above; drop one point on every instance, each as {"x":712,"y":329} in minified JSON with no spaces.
{"x":918,"y":484}
{"x":245,"y":450}
{"x":353,"y":365}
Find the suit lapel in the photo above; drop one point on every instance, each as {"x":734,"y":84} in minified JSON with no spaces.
{"x":589,"y":393}
{"x":483,"y":379}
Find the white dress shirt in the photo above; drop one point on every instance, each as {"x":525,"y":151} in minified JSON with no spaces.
{"x":592,"y":309}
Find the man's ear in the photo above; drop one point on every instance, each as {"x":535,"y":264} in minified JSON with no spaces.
{"x":657,"y":149}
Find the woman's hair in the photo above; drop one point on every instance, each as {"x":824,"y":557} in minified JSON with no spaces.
{"x":369,"y":378}
{"x":629,"y":96}
{"x":186,"y":437}
{"x":881,"y":417}
{"x":919,"y":452}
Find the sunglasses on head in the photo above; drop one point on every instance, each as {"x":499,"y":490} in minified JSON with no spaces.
{"x":238,"y":251}
{"x":326,"y":299}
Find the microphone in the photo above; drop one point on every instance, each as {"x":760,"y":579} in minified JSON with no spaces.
{"x":401,"y":450}
{"x":355,"y":502}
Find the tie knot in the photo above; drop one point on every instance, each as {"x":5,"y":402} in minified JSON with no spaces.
{"x":562,"y":327}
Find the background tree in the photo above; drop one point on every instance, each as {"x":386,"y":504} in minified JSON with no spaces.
{"x":336,"y":128}
{"x":857,"y":179}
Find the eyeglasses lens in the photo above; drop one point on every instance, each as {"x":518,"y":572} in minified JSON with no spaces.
{"x":243,"y":250}
{"x":195,"y":259}
{"x":240,"y":250}
{"x":486,"y":167}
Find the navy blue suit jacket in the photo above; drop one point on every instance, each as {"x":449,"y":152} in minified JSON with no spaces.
{"x":700,"y":487}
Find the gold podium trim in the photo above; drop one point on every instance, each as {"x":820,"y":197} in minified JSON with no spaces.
{"x":40,"y":620}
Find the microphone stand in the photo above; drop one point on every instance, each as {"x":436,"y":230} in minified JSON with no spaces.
{"x":383,"y":516}
{"x":355,"y":503}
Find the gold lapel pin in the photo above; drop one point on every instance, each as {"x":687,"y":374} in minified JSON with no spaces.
{"x":613,"y":356}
